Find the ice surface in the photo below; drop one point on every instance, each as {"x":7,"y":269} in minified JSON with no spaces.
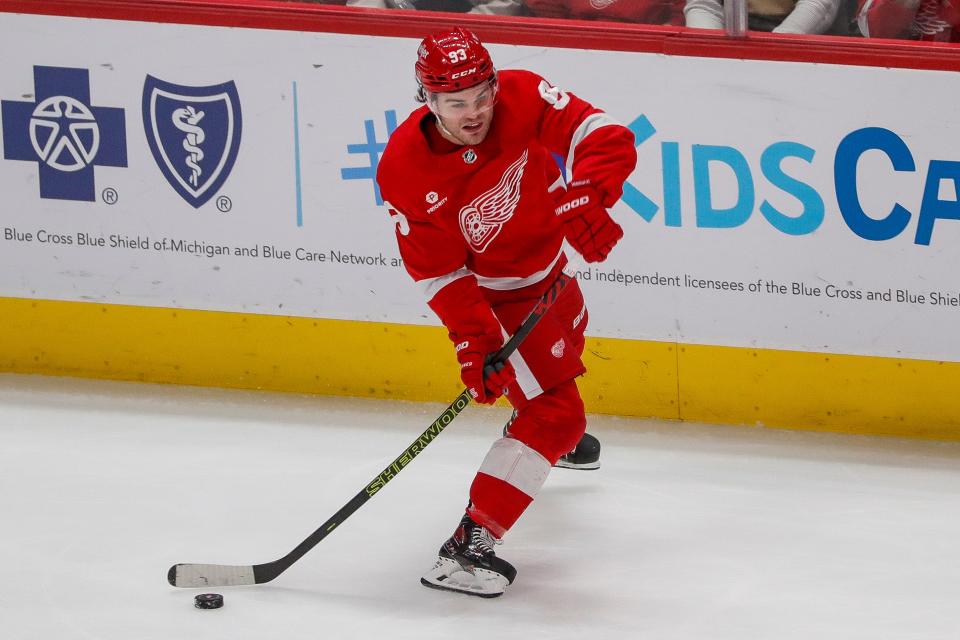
{"x":686,"y":532}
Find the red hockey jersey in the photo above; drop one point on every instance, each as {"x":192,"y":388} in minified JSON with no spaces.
{"x":486,"y":210}
{"x":638,"y":11}
{"x":934,"y":20}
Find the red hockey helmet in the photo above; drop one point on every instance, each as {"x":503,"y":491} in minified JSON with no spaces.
{"x":453,"y":60}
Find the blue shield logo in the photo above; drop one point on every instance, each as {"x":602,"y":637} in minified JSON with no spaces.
{"x":194,"y":135}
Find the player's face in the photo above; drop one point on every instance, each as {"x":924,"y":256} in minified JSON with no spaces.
{"x":466,"y":115}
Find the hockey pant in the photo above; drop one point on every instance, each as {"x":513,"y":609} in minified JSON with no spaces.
{"x":550,"y":418}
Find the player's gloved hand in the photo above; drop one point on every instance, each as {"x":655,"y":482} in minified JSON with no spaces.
{"x":485,"y":383}
{"x":587,"y":225}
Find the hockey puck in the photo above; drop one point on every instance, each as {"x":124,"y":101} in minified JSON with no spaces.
{"x":208,"y":601}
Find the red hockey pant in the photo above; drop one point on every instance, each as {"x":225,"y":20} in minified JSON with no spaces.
{"x":550,"y":418}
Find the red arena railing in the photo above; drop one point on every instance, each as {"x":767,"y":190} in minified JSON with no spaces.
{"x":669,"y":40}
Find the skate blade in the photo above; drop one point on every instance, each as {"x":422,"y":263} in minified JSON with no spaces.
{"x":448,"y":575}
{"x":589,"y":466}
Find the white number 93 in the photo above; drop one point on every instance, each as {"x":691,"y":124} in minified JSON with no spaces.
{"x":553,"y":95}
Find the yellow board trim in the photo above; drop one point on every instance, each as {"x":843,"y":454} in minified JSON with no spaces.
{"x":774,"y":388}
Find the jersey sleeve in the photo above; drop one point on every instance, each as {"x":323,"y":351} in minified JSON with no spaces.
{"x":594,"y":146}
{"x":436,"y":260}
{"x":810,"y":16}
{"x":431,"y":254}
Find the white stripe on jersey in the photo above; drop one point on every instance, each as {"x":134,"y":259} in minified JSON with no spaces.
{"x":557,"y":184}
{"x":509,"y":283}
{"x":590,"y":124}
{"x":432,"y":286}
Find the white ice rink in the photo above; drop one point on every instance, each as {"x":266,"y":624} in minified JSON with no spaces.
{"x":686,"y":532}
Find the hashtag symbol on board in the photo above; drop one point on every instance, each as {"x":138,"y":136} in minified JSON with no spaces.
{"x":372,"y":148}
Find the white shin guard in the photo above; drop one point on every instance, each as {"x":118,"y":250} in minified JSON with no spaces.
{"x":516,"y":464}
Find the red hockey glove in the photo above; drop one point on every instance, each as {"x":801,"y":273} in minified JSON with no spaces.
{"x":586,"y":224}
{"x":485,"y":384}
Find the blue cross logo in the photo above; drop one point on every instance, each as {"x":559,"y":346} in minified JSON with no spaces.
{"x":63,"y":133}
{"x":371,"y":148}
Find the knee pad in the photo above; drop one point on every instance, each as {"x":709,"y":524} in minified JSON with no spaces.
{"x":552,"y":423}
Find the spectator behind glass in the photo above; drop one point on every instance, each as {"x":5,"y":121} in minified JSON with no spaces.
{"x":639,"y":11}
{"x":493,"y":7}
{"x":930,"y":20}
{"x":777,"y":16}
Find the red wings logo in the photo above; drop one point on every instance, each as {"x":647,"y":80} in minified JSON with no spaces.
{"x":482,"y":219}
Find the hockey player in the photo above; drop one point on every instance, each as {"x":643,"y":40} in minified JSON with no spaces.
{"x":775,"y":16}
{"x":481,"y":211}
{"x":637,"y":11}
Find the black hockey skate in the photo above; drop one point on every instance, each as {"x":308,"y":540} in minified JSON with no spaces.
{"x":467,"y":564}
{"x":586,"y":455}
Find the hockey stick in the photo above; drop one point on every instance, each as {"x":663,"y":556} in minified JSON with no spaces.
{"x":219,"y":575}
